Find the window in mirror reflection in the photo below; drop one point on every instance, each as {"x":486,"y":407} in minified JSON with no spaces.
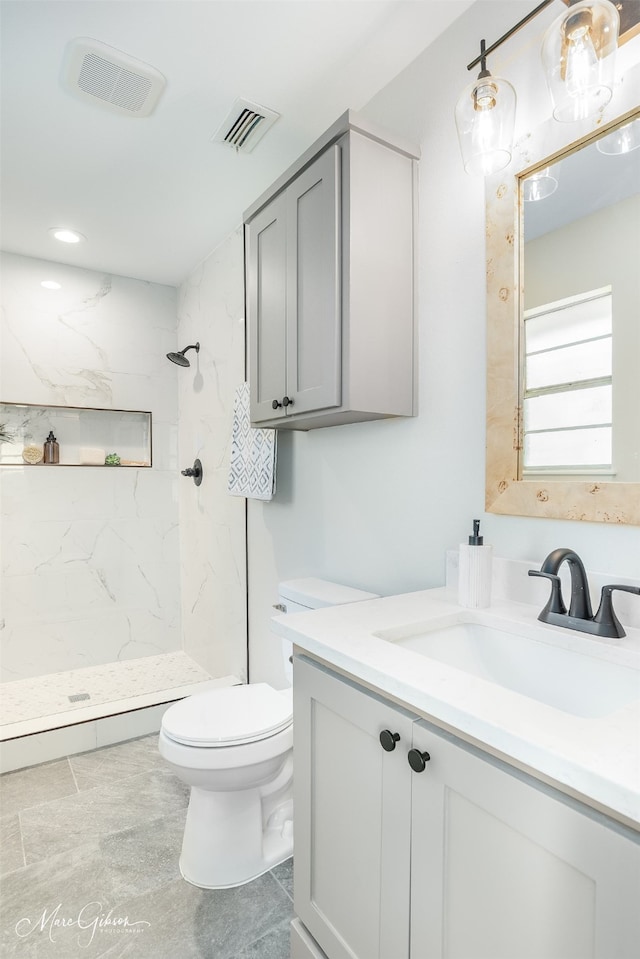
{"x":568,"y":385}
{"x":580,"y":250}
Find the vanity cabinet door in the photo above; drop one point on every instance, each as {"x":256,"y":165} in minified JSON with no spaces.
{"x":502,"y":867}
{"x":352,"y":820}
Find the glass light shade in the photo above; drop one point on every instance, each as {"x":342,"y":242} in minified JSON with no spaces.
{"x":623,"y":140}
{"x":578,"y":55}
{"x":485,"y":116}
{"x":539,"y":186}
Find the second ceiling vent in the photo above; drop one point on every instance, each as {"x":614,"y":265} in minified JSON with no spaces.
{"x":245,"y":125}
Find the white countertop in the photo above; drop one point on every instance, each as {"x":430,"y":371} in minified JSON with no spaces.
{"x":594,"y":759}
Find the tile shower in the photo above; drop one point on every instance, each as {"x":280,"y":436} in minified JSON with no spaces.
{"x":91,"y":601}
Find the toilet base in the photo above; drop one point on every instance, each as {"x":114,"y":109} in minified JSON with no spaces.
{"x":243,"y":882}
{"x":226,"y":843}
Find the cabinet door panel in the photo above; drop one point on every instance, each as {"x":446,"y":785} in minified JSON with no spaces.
{"x":509,"y":870}
{"x":313,"y":304}
{"x":352,"y":818}
{"x":266,"y":300}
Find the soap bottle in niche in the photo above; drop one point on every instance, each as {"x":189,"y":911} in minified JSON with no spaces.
{"x":474,"y":571}
{"x":51,"y":449}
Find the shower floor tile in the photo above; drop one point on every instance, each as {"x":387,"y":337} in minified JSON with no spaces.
{"x":120,"y":685}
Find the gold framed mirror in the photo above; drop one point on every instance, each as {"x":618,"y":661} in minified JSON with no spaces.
{"x":521,"y":480}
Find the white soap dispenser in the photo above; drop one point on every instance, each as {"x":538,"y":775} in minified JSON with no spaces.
{"x":474,"y":571}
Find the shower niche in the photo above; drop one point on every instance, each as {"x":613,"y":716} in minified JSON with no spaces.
{"x":85,"y":436}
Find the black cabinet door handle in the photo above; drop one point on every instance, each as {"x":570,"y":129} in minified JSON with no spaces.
{"x":388,"y":740}
{"x":287,"y":401}
{"x":418,"y":760}
{"x":275,"y":405}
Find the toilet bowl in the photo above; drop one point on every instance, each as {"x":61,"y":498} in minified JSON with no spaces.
{"x":240,"y":816}
{"x":234,"y":748}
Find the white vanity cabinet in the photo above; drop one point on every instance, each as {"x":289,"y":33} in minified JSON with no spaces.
{"x":329,"y":260}
{"x":467,"y":859}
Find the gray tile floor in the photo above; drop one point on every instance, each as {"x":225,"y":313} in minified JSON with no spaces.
{"x":89,"y":850}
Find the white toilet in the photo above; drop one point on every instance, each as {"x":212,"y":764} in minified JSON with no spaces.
{"x":234,"y":747}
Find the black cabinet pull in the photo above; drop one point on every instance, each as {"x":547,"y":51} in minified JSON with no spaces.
{"x":287,"y":401}
{"x":388,"y":740}
{"x":275,"y":405}
{"x":418,"y":760}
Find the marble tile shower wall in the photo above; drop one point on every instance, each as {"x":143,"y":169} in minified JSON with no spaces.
{"x":212,"y":523}
{"x":90,"y":555}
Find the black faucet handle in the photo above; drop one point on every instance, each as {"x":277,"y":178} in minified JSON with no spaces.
{"x":608,"y":623}
{"x":555,"y":603}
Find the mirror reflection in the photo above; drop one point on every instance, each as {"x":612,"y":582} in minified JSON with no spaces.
{"x":579,"y":381}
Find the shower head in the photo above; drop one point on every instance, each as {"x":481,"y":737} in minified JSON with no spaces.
{"x":179,"y":358}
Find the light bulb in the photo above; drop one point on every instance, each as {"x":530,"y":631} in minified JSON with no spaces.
{"x":580,"y":62}
{"x":482,"y":140}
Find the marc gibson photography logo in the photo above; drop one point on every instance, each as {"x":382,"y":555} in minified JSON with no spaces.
{"x":90,"y":921}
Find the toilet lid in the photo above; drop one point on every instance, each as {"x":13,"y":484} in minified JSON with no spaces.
{"x":231,"y":715}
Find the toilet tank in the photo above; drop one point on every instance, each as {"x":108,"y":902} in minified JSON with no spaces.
{"x":296,"y":595}
{"x":300,"y":595}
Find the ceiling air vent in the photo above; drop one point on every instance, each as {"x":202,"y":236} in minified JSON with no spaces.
{"x":245,"y":125}
{"x":109,"y":78}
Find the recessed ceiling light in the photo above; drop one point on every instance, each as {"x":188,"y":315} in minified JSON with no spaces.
{"x":65,"y":235}
{"x":51,"y":285}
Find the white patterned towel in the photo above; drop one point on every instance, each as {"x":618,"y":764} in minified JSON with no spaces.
{"x":252,"y":471}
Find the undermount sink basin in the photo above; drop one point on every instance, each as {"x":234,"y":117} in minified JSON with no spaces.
{"x":571,"y":681}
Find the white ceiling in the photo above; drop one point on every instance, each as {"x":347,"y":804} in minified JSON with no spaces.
{"x":154,"y":195}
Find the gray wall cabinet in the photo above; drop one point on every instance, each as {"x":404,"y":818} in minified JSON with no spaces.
{"x":330,"y":276}
{"x":468,"y":858}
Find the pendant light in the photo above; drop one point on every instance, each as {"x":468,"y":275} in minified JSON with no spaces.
{"x":578,"y":55}
{"x":485,"y":116}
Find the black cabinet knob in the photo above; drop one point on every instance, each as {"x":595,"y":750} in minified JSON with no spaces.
{"x":286,"y":401}
{"x":275,"y":405}
{"x":418,"y":760}
{"x":388,"y":740}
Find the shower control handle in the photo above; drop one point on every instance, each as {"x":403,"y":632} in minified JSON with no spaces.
{"x":195,"y":471}
{"x":418,"y":760}
{"x":388,"y":740}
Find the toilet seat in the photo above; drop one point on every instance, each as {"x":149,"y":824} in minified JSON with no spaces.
{"x":229,"y":716}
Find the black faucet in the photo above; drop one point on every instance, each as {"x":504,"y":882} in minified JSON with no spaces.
{"x":604,"y":623}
